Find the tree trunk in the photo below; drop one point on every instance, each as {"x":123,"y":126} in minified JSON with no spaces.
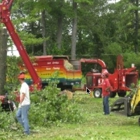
{"x":136,"y":26}
{"x":44,"y":32}
{"x":3,"y":54}
{"x":32,"y":30}
{"x":59,"y":32}
{"x":74,"y":32}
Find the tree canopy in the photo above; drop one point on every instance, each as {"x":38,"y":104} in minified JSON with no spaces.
{"x":86,"y":28}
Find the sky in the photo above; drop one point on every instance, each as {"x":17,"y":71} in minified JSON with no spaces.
{"x":12,"y":51}
{"x":113,"y":1}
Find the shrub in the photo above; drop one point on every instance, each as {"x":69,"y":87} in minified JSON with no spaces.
{"x":48,"y":107}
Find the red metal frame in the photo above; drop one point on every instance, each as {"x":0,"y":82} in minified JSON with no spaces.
{"x":117,"y":79}
{"x":98,"y":61}
{"x":5,"y":18}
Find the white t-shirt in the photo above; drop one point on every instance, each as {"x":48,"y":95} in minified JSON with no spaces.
{"x":25,"y":89}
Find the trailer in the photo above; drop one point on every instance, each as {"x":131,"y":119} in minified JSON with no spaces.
{"x":54,"y":67}
{"x":121,"y":79}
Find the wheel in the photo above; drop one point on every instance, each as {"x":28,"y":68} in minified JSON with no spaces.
{"x":112,"y":94}
{"x":97,"y":93}
{"x":122,"y":94}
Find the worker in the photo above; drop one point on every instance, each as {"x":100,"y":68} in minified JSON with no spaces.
{"x":24,"y":104}
{"x":106,"y":88}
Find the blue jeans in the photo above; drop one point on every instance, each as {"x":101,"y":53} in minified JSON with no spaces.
{"x":22,"y":117}
{"x":106,"y":105}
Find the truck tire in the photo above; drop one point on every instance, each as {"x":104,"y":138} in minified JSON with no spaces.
{"x":97,"y":93}
{"x":112,"y":94}
{"x":122,"y":94}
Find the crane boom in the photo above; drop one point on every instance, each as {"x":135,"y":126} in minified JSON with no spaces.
{"x":5,"y":18}
{"x":8,"y":3}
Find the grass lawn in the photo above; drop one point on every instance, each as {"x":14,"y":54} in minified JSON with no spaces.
{"x":95,"y":126}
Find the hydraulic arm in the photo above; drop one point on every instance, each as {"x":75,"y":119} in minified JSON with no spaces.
{"x":5,"y":7}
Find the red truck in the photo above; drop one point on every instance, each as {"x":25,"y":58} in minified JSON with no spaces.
{"x":43,"y":67}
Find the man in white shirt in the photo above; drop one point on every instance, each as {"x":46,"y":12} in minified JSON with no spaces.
{"x":24,"y":104}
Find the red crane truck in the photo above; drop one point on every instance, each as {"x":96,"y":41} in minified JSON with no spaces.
{"x":5,"y":18}
{"x":120,"y":80}
{"x":43,"y":65}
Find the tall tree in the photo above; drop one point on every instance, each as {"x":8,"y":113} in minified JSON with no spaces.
{"x":43,"y":13}
{"x":136,"y":24}
{"x":60,"y":19}
{"x":3,"y":52}
{"x":74,"y":31}
{"x":27,"y":16}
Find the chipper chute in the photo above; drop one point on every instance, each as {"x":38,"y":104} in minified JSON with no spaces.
{"x":129,"y":105}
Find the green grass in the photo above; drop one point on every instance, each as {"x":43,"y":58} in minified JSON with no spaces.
{"x":95,"y":125}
